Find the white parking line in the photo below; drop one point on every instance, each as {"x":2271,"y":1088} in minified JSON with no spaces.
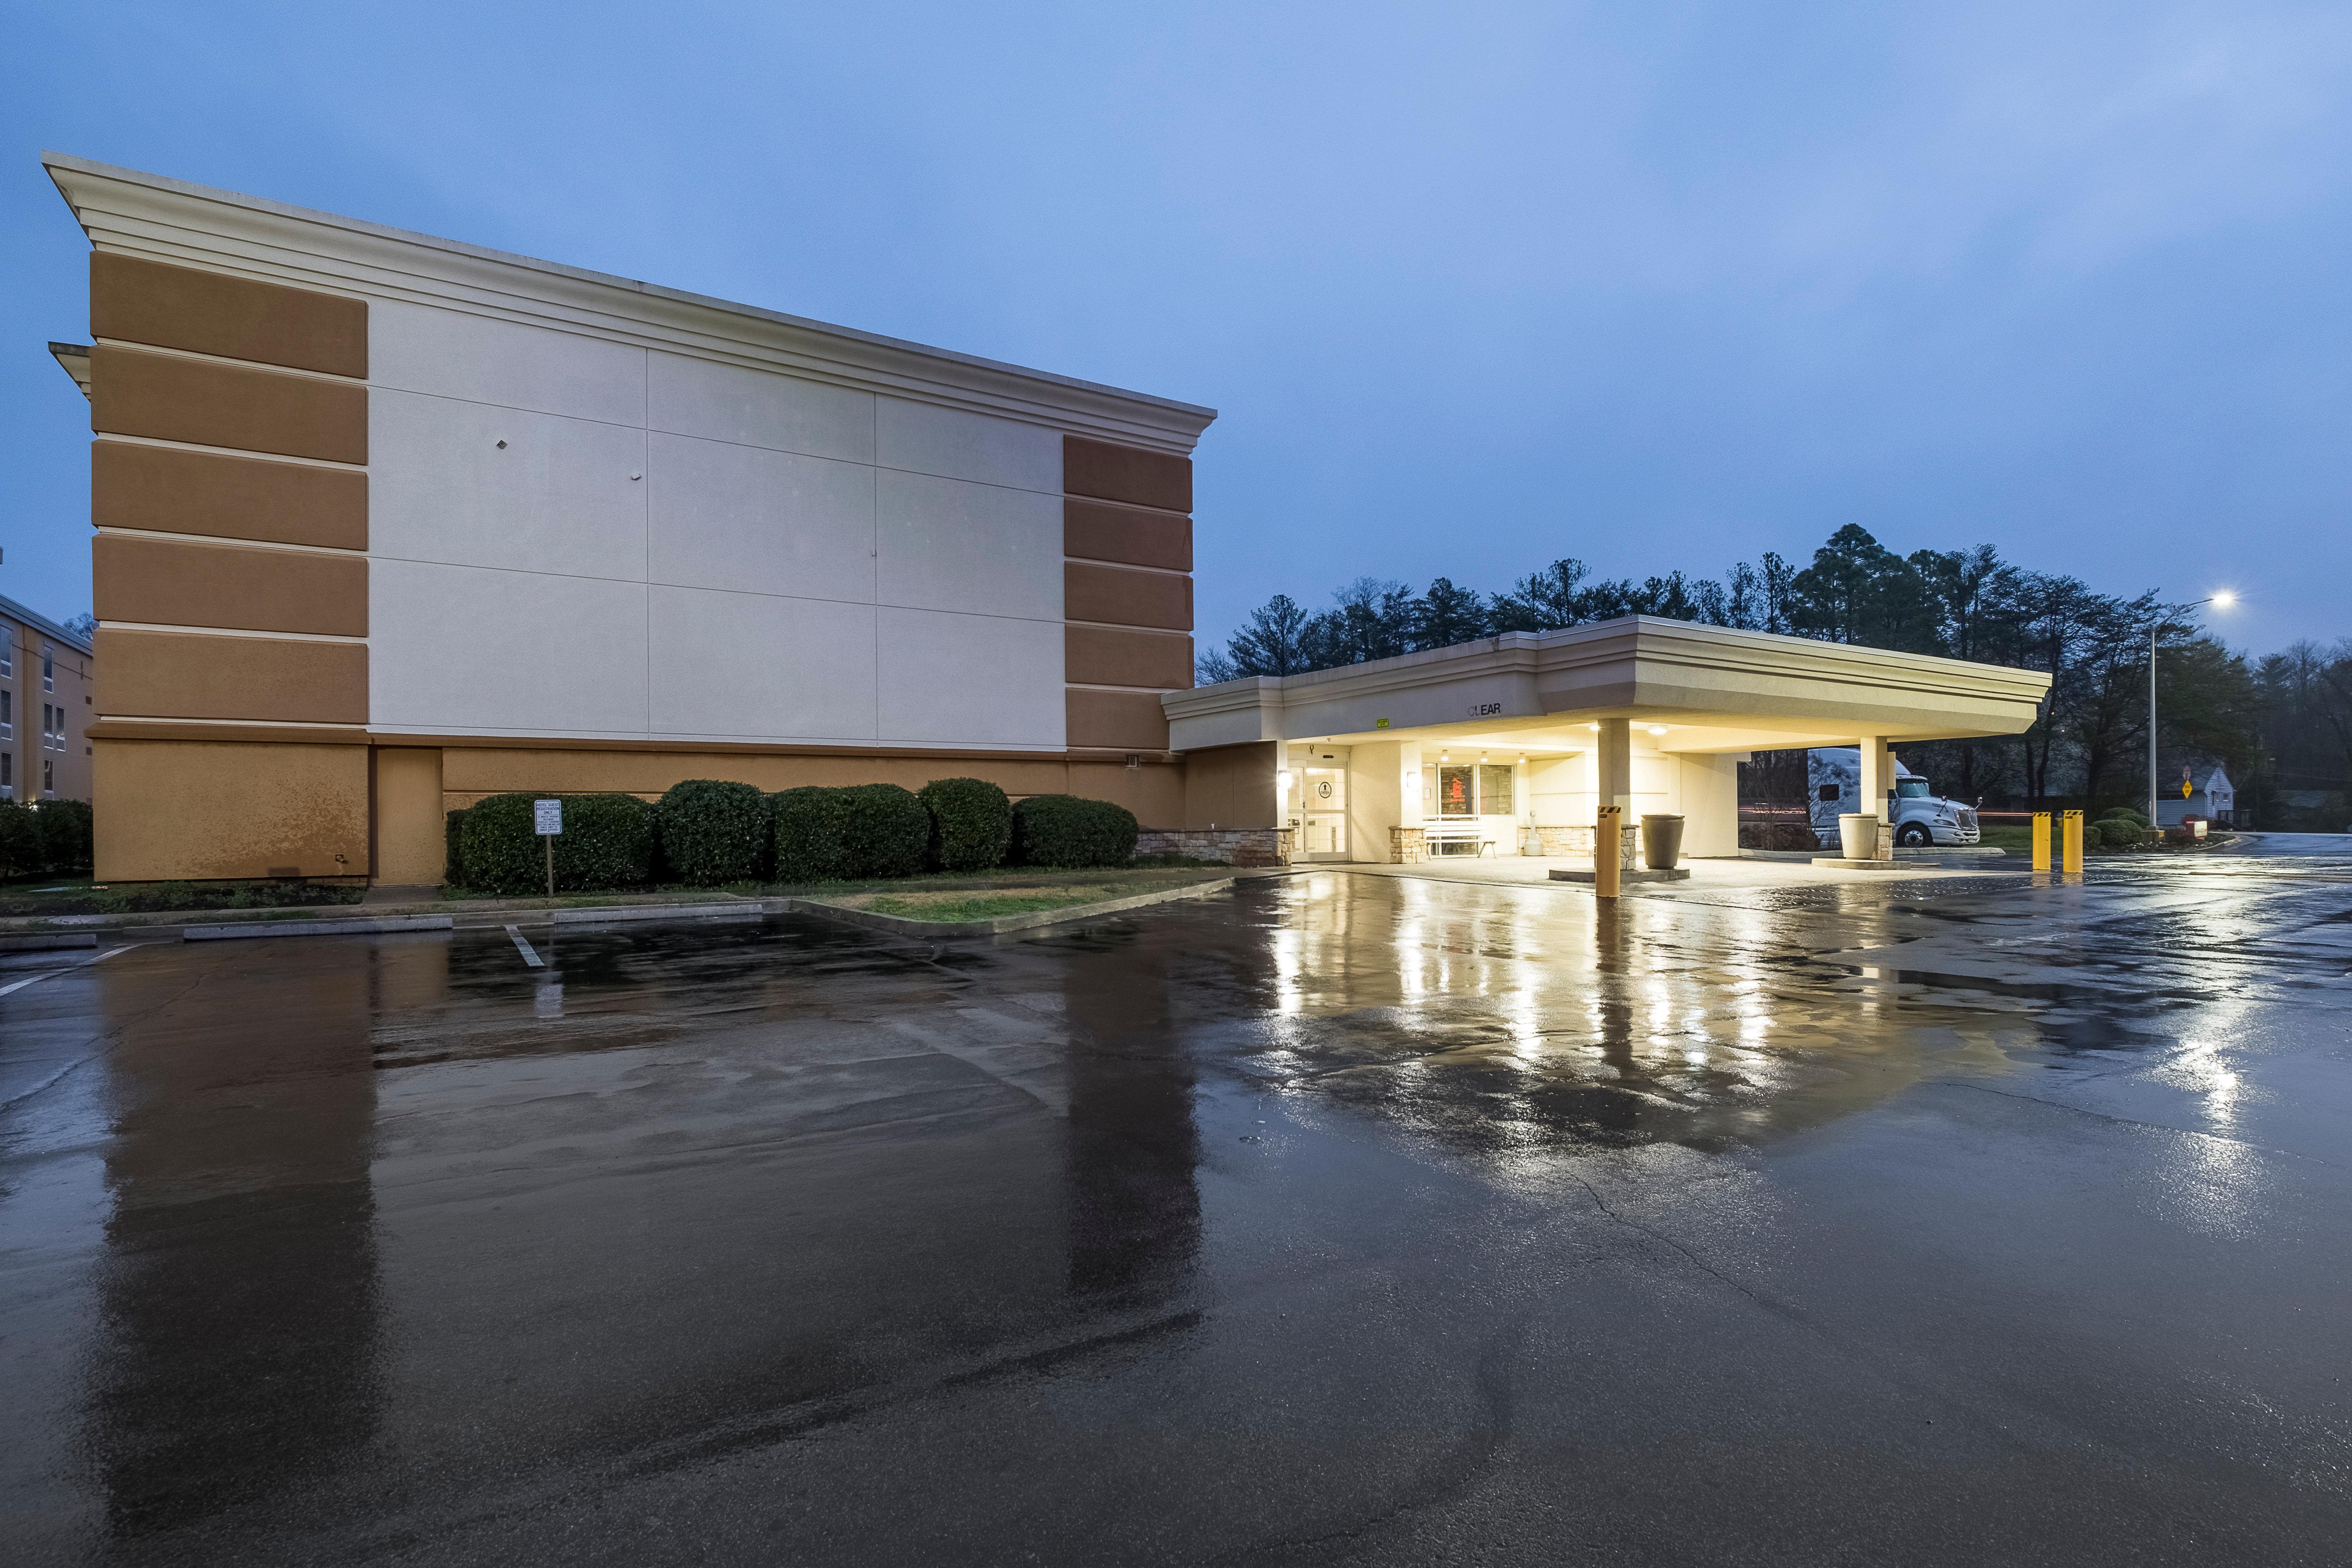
{"x":82,"y":964}
{"x":530,"y":953}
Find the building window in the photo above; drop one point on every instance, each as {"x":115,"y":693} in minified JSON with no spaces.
{"x":7,"y":715}
{"x":48,"y":778}
{"x":7,"y":775}
{"x":48,"y":669}
{"x":7,"y":649}
{"x":1494,"y":791}
{"x":1454,"y":793}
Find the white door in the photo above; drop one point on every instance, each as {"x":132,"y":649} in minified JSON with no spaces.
{"x":1323,"y":813}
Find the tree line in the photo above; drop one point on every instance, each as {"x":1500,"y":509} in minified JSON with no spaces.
{"x":2281,"y":725}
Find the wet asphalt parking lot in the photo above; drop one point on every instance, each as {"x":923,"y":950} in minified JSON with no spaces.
{"x":1344,"y":1219}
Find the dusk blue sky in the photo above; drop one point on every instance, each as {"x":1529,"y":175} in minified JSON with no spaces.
{"x":1473,"y":286}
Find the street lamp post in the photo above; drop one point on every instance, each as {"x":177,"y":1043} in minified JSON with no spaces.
{"x":2225,"y":600}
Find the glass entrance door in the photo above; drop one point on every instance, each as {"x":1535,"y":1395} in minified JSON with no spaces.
{"x":1323,"y":811}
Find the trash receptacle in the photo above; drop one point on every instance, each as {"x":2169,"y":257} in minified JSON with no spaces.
{"x":1662,"y":842}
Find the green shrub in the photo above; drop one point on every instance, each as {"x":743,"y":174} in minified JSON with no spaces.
{"x":885,"y":829}
{"x":714,"y":832}
{"x":2119,"y":832}
{"x":812,"y":835}
{"x":62,"y":830}
{"x":607,"y":842}
{"x":971,"y":823}
{"x":2124,"y":812}
{"x":454,"y":872}
{"x":1063,"y":830}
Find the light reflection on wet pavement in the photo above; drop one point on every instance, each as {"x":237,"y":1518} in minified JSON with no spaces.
{"x":1346,"y":1219}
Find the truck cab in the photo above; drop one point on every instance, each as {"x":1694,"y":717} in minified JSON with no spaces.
{"x":1920,"y":817}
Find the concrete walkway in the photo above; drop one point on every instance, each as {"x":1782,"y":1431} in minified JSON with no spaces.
{"x":1522,"y":870}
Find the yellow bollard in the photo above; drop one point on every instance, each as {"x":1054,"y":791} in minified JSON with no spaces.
{"x":2073,"y":844}
{"x":1608,"y":846}
{"x":2041,"y":841}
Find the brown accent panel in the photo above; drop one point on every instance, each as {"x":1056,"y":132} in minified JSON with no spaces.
{"x":1125,"y":598}
{"x":169,"y":583}
{"x":142,"y":302}
{"x":1099,"y":656}
{"x":1098,"y":531}
{"x":203,"y":809}
{"x":1129,"y":474}
{"x":1117,"y":721}
{"x":1230,"y":786}
{"x":169,"y":490}
{"x":187,"y":674}
{"x":412,"y":850}
{"x":134,"y":393}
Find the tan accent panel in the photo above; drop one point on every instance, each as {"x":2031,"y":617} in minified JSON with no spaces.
{"x":165,"y":399}
{"x":468,"y":774}
{"x":1116,"y":720}
{"x":172,"y":491}
{"x":214,"y":729}
{"x":1230,"y":786}
{"x":203,"y":809}
{"x":166,"y":582}
{"x":411,"y":847}
{"x":1098,"y":531}
{"x":1129,"y":474}
{"x":142,"y":302}
{"x":1125,"y":598}
{"x":1100,"y":655}
{"x":185,"y":675}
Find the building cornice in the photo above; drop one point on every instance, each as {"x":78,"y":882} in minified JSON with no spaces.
{"x":1649,"y":640}
{"x":171,"y":220}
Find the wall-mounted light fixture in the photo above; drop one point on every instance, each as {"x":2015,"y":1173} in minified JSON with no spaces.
{"x":1657,"y":729}
{"x":1282,"y":780}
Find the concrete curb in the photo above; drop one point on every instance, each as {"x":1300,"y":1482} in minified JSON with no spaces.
{"x":39,"y":943}
{"x":901,"y":925}
{"x":617,"y":914}
{"x":374,"y":926}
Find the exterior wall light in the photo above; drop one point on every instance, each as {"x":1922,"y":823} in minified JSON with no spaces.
{"x":1657,"y":729}
{"x":1282,"y":781}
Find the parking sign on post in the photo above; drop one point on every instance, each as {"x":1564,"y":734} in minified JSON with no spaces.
{"x":547,"y":820}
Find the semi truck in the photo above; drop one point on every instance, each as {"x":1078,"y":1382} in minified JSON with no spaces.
{"x":1921,"y":817}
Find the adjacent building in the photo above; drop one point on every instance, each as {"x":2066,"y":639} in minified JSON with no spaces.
{"x":45,"y":708}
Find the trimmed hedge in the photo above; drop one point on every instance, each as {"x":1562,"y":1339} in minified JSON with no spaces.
{"x":971,"y":823}
{"x":2118,"y":813}
{"x":607,"y":842}
{"x":714,"y":832}
{"x":1063,"y":830}
{"x":885,"y":829}
{"x":812,"y":835}
{"x":2120,"y":832}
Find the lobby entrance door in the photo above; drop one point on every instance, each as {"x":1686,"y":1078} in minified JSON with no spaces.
{"x":1323,"y":813}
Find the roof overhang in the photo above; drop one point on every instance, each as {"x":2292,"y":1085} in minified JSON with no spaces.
{"x":1711,"y":689}
{"x":171,"y":220}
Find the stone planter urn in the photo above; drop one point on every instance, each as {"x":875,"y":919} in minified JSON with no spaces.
{"x":1858,"y":836}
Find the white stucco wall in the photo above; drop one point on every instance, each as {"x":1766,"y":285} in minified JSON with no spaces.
{"x":673,"y":548}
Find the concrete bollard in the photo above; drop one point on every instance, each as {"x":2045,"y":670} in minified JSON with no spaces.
{"x":2074,"y":845}
{"x":2041,"y":841}
{"x":1608,"y":859}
